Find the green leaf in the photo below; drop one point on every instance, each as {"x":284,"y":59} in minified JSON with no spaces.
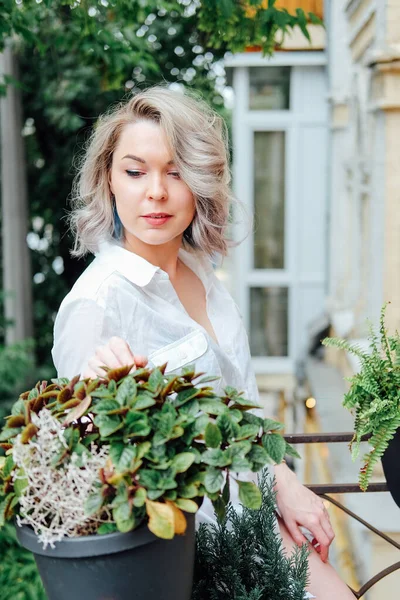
{"x":228,"y":427}
{"x":245,"y":403}
{"x":241,"y":448}
{"x":112,"y":387}
{"x":107,"y":528}
{"x":156,"y":380}
{"x":8,"y":467}
{"x":216,"y":457}
{"x":142,"y":449}
{"x":240,"y":464}
{"x":137,"y":424}
{"x":226,"y":492}
{"x":181,"y":462}
{"x":249,"y":494}
{"x":290,"y":451}
{"x":20,"y":484}
{"x":139,"y":498}
{"x":220,"y":508}
{"x":212,"y":406}
{"x":105,"y":406}
{"x":190,"y":409}
{"x":275,"y":445}
{"x":250,"y":418}
{"x":207,"y":379}
{"x":94,"y":503}
{"x":188,"y":491}
{"x":258,"y":456}
{"x":247,"y":431}
{"x":122,"y":456}
{"x":123,"y":517}
{"x":185,"y":395}
{"x":18,"y":408}
{"x":271,"y":425}
{"x":126,"y":391}
{"x":213,"y":480}
{"x":108,"y":424}
{"x":7,"y":434}
{"x":212,"y":435}
{"x":187,"y":505}
{"x":149,"y":478}
{"x":143,"y":401}
{"x":154,"y":494}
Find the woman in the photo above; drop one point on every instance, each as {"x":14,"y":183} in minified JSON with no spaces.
{"x":152,"y":201}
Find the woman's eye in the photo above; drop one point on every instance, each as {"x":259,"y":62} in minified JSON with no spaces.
{"x":175,"y":174}
{"x":134,"y":173}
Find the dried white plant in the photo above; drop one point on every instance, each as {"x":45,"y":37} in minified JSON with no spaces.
{"x":53,"y":499}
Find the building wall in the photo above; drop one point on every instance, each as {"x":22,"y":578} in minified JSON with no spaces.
{"x":364,"y":223}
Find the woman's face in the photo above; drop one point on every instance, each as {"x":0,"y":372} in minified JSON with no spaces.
{"x":154,"y":204}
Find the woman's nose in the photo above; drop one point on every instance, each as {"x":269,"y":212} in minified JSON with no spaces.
{"x":157,"y":189}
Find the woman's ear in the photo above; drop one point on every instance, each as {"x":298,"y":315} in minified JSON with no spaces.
{"x":110,"y":184}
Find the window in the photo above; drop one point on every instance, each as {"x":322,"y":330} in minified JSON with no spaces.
{"x":269,"y":200}
{"x":269,"y":88}
{"x":269,"y":321}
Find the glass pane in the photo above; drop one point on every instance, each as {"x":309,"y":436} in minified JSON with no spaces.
{"x":269,"y":199}
{"x":269,"y":88}
{"x":269,"y":321}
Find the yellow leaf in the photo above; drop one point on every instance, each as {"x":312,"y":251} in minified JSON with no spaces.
{"x":180,"y":523}
{"x":161,"y":519}
{"x":78,"y":411}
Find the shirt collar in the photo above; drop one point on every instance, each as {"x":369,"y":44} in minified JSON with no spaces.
{"x":140,"y":271}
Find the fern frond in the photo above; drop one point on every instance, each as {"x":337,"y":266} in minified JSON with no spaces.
{"x":344,"y":345}
{"x":379,"y":442}
{"x":383,"y":332}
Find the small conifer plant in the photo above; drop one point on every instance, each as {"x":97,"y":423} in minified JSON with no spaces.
{"x":374,"y":394}
{"x":242,"y":556}
{"x":104,"y":455}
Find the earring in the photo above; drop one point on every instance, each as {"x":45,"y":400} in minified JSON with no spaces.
{"x":117,"y":221}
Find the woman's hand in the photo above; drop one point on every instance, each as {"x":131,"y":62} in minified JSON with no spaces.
{"x":116,"y":353}
{"x":299,"y":506}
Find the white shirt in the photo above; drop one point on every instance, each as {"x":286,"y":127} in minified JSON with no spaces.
{"x":121,"y":294}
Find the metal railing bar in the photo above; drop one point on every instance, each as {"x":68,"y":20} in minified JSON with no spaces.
{"x":318,"y":438}
{"x":360,"y":520}
{"x":367,"y":586}
{"x":346,"y":488}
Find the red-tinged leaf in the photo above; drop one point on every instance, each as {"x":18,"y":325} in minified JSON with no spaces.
{"x":70,"y":404}
{"x":38,"y":404}
{"x":119,"y":373}
{"x":28,"y":433}
{"x":78,"y":411}
{"x":5,"y":446}
{"x":17,"y":421}
{"x":64,"y":395}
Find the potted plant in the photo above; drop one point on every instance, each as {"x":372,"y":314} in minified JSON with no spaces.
{"x":374,"y":399}
{"x":107,"y":475}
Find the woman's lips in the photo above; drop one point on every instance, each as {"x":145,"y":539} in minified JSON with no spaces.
{"x":157,"y":220}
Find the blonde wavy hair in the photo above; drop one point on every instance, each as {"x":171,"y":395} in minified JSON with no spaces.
{"x":198,"y":139}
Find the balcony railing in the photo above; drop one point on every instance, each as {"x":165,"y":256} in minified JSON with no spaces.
{"x":344,"y":488}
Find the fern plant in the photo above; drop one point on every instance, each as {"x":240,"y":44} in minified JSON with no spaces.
{"x":374,"y":394}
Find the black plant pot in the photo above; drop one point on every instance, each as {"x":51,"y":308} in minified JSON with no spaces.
{"x":116,"y":566}
{"x":391,"y":467}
